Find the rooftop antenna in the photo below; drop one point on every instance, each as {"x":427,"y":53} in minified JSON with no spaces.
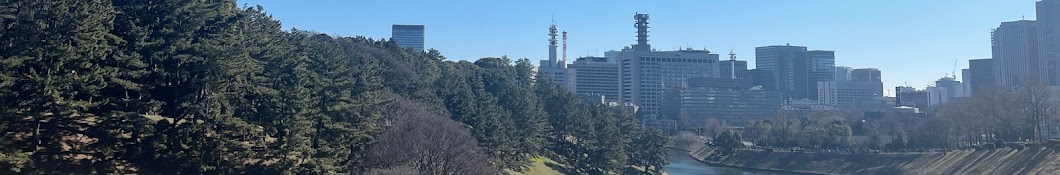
{"x":642,"y":32}
{"x":564,"y":47}
{"x":553,"y":32}
{"x":732,"y":63}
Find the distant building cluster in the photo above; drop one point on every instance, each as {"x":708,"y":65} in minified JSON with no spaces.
{"x":686,"y":87}
{"x":1024,"y":53}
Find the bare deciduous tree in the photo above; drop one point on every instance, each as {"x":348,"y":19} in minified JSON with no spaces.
{"x":1038,"y":103}
{"x":713,"y":127}
{"x":427,"y":143}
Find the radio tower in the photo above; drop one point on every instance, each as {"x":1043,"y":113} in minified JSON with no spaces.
{"x":552,"y":44}
{"x":563,"y":62}
{"x":732,"y":62}
{"x":642,"y":32}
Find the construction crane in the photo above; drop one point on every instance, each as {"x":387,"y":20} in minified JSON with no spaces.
{"x":954,"y":68}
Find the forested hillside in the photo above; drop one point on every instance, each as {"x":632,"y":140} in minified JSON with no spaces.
{"x":209,"y":87}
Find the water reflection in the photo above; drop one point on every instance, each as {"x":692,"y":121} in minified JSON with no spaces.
{"x":682,"y":164}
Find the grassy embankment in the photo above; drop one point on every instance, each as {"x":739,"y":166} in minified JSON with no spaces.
{"x":540,"y":166}
{"x":1030,"y":160}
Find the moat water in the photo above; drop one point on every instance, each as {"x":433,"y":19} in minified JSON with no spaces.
{"x":683,"y":164}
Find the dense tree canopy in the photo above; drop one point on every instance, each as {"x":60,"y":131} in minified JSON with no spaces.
{"x":208,"y":87}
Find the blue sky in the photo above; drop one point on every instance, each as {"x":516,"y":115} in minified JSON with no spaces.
{"x":912,"y":42}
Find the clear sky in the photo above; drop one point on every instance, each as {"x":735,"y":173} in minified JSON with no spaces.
{"x":912,"y":42}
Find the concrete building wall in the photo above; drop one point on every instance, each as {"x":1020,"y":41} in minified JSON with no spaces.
{"x":645,"y":75}
{"x":732,"y":106}
{"x":726,"y":69}
{"x":848,"y":93}
{"x":944,"y":91}
{"x":981,"y":75}
{"x":595,"y":75}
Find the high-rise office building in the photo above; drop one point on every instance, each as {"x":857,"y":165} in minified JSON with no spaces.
{"x":872,"y":75}
{"x":842,"y":73}
{"x":645,"y":73}
{"x":1015,"y":50}
{"x":796,"y":70}
{"x":966,"y":81}
{"x":790,"y":69}
{"x":822,"y":68}
{"x":980,"y":76}
{"x":410,"y":36}
{"x":1048,"y":29}
{"x":595,"y":75}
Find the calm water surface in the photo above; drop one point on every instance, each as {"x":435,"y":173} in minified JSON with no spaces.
{"x":682,"y":164}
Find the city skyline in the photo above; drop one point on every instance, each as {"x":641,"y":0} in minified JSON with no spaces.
{"x":883,"y":35}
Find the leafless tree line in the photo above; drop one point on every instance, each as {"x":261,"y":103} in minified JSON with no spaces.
{"x":1017,"y":114}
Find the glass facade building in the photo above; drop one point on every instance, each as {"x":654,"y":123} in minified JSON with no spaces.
{"x":410,"y":36}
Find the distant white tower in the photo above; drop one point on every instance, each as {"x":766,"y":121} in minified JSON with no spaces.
{"x":554,"y":68}
{"x":553,"y":44}
{"x":563,"y":62}
{"x":732,"y":63}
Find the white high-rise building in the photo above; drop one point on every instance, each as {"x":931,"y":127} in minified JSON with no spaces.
{"x":856,"y":95}
{"x":595,"y":76}
{"x":945,"y":90}
{"x":645,"y":74}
